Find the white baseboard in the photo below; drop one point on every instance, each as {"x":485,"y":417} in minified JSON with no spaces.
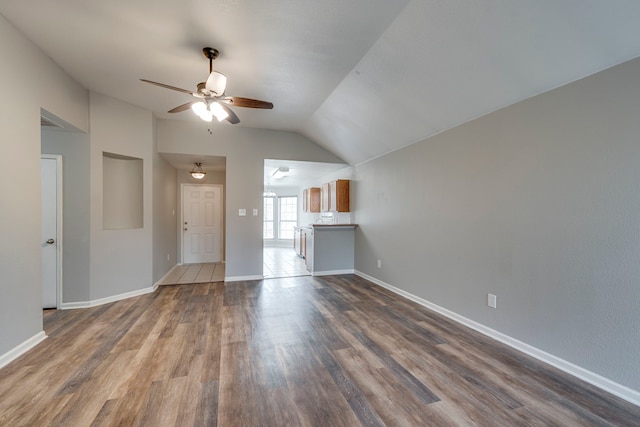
{"x":624,"y":392}
{"x":332,"y":272}
{"x":21,"y":349}
{"x":107,"y":300}
{"x":242,"y":278}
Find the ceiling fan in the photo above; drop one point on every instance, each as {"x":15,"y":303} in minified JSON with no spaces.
{"x":211,"y":100}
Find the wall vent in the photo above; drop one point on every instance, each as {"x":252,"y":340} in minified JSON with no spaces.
{"x":46,"y":122}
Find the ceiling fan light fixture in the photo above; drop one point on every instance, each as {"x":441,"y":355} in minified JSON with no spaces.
{"x":197,"y":172}
{"x":216,"y":83}
{"x":209,"y":92}
{"x":281,"y":172}
{"x":201,"y":109}
{"x":218,"y":111}
{"x":207,"y":116}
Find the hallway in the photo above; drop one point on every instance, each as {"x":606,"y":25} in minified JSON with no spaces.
{"x":277,"y":262}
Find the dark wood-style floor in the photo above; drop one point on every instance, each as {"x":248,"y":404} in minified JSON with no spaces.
{"x":307,"y":351}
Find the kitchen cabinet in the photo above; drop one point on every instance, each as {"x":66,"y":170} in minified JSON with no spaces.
{"x":335,"y":196}
{"x":302,"y":244}
{"x":326,"y":248}
{"x":300,"y":241}
{"x":331,"y":249}
{"x":311,"y":199}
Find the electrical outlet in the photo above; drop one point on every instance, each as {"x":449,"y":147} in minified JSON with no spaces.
{"x":492,"y":300}
{"x":379,"y":264}
{"x":255,"y":212}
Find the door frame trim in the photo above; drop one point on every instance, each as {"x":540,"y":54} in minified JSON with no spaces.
{"x":59,"y":223}
{"x":181,"y":223}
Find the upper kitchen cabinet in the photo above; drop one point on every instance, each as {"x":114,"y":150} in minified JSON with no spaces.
{"x":311,"y":199}
{"x":335,"y":196}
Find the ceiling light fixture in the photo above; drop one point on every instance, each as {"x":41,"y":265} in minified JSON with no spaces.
{"x":197,"y":172}
{"x":216,"y":83}
{"x":281,"y":172}
{"x":207,"y":111}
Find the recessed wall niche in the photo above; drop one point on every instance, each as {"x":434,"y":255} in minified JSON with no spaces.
{"x":122,"y":192}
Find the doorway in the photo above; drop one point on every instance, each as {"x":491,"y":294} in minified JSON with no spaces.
{"x":201,"y":223}
{"x":280,"y":218}
{"x":51,"y":242}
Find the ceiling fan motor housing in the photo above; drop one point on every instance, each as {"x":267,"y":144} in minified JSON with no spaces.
{"x":210,"y":53}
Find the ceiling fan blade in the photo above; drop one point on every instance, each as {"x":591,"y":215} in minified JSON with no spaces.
{"x":168,"y":87}
{"x":182,"y":107}
{"x":233,"y":119}
{"x":238,"y":101}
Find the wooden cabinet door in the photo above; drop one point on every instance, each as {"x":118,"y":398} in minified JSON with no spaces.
{"x":303,"y":244}
{"x":314,"y":199}
{"x":332,"y":195}
{"x":311,"y":199}
{"x":340,"y":195}
{"x":335,"y":196}
{"x":326,"y":207}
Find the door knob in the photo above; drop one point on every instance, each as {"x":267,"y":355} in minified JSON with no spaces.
{"x":51,"y":241}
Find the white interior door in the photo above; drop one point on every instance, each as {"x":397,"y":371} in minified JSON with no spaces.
{"x":202,"y":224}
{"x":51,"y":213}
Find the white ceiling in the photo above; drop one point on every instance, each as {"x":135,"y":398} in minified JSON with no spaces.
{"x":300,"y":173}
{"x":359,"y":77}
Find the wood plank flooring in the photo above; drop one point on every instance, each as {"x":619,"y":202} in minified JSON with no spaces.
{"x":305,"y":351}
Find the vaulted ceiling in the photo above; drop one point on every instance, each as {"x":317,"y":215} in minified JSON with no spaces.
{"x":359,"y":77}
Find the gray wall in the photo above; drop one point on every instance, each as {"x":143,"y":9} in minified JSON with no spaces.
{"x":29,"y":81}
{"x":165,"y":216}
{"x":245,"y":150}
{"x":74,"y":148}
{"x":538,"y":203}
{"x":121,"y":260}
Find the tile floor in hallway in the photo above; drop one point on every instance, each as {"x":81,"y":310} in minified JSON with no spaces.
{"x":195,"y":273}
{"x":282,"y":262}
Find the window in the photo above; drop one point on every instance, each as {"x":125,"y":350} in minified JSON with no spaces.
{"x":279,"y":224}
{"x":268,"y":231}
{"x":288,"y":216}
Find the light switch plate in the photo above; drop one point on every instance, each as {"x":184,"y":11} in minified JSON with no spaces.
{"x":492,"y":300}
{"x":255,"y":212}
{"x":242,"y":212}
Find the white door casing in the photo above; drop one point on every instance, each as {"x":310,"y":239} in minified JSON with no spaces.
{"x":51,"y":242}
{"x":201,"y":223}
